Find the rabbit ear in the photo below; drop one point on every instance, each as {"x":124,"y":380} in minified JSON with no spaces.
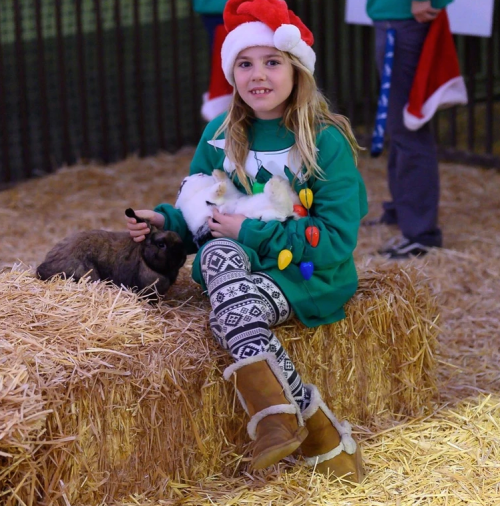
{"x":221,"y":190}
{"x":184,"y":181}
{"x":219,"y":175}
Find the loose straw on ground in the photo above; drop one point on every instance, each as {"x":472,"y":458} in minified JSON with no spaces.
{"x":448,"y":457}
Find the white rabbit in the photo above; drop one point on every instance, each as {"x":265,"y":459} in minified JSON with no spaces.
{"x":199,"y":193}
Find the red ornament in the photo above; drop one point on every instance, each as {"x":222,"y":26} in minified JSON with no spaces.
{"x":312,"y":235}
{"x":300,"y":210}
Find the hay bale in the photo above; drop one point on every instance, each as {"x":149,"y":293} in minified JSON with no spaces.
{"x":379,"y":361}
{"x":104,"y":396}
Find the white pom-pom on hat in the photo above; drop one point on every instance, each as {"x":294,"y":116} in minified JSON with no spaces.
{"x":286,"y":37}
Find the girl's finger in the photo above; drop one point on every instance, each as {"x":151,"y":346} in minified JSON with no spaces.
{"x":138,"y":230}
{"x":138,"y":226}
{"x":217,"y":214}
{"x":212,"y":225}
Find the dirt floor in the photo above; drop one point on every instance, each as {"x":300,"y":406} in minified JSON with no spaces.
{"x":464,"y":275}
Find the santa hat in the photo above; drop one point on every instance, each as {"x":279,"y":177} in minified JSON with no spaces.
{"x":264,"y":23}
{"x":220,"y":93}
{"x":437,"y":83}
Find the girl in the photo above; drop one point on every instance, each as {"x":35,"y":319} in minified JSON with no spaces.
{"x":278,"y":124}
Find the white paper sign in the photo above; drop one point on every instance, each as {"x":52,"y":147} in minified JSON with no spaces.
{"x":466,"y":17}
{"x":355,"y":12}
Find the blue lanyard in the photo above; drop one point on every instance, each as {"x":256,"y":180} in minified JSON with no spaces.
{"x":383,"y":99}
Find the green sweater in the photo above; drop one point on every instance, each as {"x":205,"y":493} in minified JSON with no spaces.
{"x":380,"y":10}
{"x":339,"y":204}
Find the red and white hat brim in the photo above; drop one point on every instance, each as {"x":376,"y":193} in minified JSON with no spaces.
{"x":213,"y":107}
{"x":451,"y":93}
{"x":255,"y":33}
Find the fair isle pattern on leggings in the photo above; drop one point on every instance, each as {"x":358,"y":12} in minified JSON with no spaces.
{"x":244,"y":306}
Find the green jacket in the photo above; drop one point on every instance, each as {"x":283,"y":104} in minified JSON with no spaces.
{"x":209,"y":6}
{"x":338,"y":206}
{"x":380,"y":10}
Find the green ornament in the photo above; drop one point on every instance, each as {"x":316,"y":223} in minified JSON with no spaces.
{"x":258,"y":187}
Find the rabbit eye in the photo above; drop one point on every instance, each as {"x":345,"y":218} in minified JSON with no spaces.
{"x":161,"y":244}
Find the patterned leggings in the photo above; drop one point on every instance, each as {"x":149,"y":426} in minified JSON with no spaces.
{"x":244,"y":307}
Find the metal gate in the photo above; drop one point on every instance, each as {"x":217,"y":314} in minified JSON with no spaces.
{"x":101,"y":79}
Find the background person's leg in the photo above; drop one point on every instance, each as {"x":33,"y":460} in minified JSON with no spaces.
{"x":413,"y":174}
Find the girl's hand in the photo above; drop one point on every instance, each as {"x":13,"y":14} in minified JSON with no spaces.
{"x":138,"y":231}
{"x":225,"y":225}
{"x":423,"y":12}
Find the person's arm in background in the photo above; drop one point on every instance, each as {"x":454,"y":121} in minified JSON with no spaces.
{"x":423,"y":11}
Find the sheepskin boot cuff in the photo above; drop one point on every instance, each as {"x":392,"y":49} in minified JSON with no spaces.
{"x":276,"y":425}
{"x":330,"y":447}
{"x":347,"y":443}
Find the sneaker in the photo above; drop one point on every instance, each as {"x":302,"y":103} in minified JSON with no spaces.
{"x":402,"y":247}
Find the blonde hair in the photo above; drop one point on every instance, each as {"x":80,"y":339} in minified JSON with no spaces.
{"x":306,"y":114}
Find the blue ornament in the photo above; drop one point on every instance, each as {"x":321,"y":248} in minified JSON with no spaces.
{"x":306,"y":269}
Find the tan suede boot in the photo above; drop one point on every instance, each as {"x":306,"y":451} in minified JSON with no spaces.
{"x":329,"y":446}
{"x":276,"y":424}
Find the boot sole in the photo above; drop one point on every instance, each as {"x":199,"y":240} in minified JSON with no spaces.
{"x":276,"y":453}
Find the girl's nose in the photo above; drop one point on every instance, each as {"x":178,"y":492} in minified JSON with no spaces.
{"x":258,"y":73}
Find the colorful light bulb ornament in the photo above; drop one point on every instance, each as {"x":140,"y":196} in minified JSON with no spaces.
{"x":312,"y":236}
{"x":306,"y":197}
{"x":284,"y":259}
{"x":258,"y":187}
{"x":312,"y":233}
{"x":306,"y":269}
{"x":300,"y":210}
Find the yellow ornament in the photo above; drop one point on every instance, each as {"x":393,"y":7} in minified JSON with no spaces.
{"x":306,"y":197}
{"x":284,"y":259}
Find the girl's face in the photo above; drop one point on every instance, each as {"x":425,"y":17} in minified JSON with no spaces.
{"x":263,"y":77}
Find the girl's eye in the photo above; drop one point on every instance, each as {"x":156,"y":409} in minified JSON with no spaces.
{"x":273,"y":63}
{"x":244,"y":64}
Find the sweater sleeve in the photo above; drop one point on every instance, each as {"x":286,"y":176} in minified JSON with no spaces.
{"x":339,"y":203}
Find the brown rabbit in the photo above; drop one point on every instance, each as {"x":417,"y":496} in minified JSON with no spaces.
{"x":114,"y":256}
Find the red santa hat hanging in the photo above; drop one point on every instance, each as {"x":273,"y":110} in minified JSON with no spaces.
{"x":264,"y":23}
{"x":220,"y":93}
{"x":437,"y":83}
